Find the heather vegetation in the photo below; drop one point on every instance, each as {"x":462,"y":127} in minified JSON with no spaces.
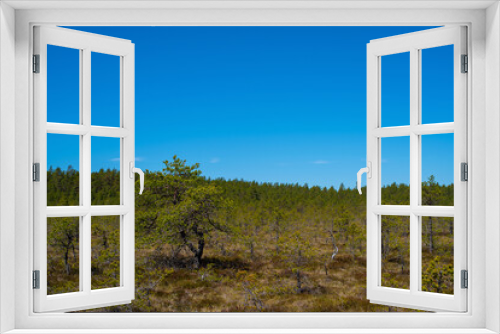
{"x":215,"y":245}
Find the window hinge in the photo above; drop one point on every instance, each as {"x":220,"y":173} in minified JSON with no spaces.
{"x":465,"y":279}
{"x":36,"y":172}
{"x":465,"y":64}
{"x":36,"y":63}
{"x":36,"y":279}
{"x":464,"y":171}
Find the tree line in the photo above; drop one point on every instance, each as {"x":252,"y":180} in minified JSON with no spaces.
{"x":216,"y":245}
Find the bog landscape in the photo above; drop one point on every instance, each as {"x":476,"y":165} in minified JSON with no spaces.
{"x":216,"y":245}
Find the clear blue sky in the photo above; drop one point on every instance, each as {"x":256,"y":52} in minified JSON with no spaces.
{"x":271,"y":104}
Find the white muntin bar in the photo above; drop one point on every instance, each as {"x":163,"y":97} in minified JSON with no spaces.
{"x":415,"y":167}
{"x":77,"y":129}
{"x":418,"y":129}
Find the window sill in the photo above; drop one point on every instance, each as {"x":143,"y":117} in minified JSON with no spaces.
{"x":250,"y":331}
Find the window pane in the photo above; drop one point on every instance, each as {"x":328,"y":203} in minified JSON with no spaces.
{"x":105,"y":171}
{"x":437,"y":254}
{"x":63,"y":178}
{"x":395,"y":90}
{"x":63,"y":255}
{"x":437,"y":85}
{"x":105,"y":90}
{"x":437,"y":169}
{"x":395,"y":252}
{"x":63,"y":85}
{"x":395,"y":171}
{"x":105,"y":252}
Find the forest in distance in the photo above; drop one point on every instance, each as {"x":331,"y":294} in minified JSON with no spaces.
{"x":216,"y":245}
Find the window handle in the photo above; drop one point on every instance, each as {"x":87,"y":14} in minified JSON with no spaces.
{"x":134,"y":170}
{"x":368,"y":171}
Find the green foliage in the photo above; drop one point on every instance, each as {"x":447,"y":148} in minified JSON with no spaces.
{"x":438,"y":277}
{"x":105,"y":185}
{"x":181,"y":209}
{"x":63,"y":242}
{"x":105,"y":265}
{"x":395,"y":252}
{"x":205,"y":245}
{"x":63,"y":187}
{"x":396,"y":194}
{"x":435,"y":194}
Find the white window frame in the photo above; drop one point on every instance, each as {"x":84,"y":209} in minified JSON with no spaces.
{"x":483,"y":21}
{"x":414,"y":43}
{"x":86,"y":44}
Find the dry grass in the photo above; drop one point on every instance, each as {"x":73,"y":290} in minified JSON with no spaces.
{"x":234,"y":280}
{"x":234,"y":283}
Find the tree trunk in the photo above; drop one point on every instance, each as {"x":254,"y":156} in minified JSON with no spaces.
{"x":431,"y":236}
{"x":277,"y":231}
{"x":299,"y":281}
{"x":105,"y":243}
{"x":66,"y":260}
{"x":199,"y":251}
{"x":385,"y":242}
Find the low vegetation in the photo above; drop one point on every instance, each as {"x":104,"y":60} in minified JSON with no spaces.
{"x":215,"y":245}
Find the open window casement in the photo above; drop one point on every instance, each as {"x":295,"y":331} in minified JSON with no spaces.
{"x":379,"y":288}
{"x":84,"y":294}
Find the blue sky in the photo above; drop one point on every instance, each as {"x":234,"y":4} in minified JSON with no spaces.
{"x":271,"y":104}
